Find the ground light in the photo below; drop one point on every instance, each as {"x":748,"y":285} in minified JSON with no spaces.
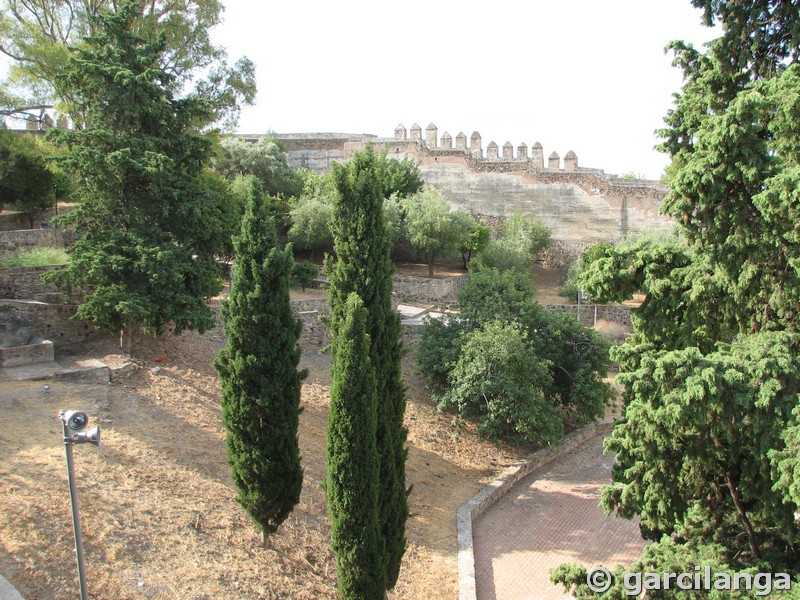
{"x":74,"y":422}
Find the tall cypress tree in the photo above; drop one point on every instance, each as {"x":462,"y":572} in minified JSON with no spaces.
{"x":352,"y":459}
{"x":363,"y":265}
{"x":258,"y":371}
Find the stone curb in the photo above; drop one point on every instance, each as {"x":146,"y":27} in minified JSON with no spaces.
{"x":8,"y":591}
{"x":500,"y":487}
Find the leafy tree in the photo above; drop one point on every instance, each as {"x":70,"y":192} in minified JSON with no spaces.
{"x":431,"y":226}
{"x":578,"y":359}
{"x":570,"y":289}
{"x":501,"y":382}
{"x":150,"y":229}
{"x":244,"y":186}
{"x":363,"y":266}
{"x":438,"y":349}
{"x":265,"y":159}
{"x":311,"y":223}
{"x":304,"y":273}
{"x":521,"y":240}
{"x":400,"y":177}
{"x":491,"y":294}
{"x":353,"y":484}
{"x":718,"y":414}
{"x":529,"y":234}
{"x":258,"y":374}
{"x":311,"y":213}
{"x":393,"y":215}
{"x":476,"y":237}
{"x":227,"y":212}
{"x":39,"y":37}
{"x":25,"y":179}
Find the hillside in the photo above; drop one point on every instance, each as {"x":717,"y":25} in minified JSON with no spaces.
{"x":158,"y":509}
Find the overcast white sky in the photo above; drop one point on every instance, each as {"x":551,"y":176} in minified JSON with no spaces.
{"x":584,"y":75}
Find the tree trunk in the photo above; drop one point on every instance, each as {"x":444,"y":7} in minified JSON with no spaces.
{"x":430,"y":265}
{"x":751,"y":534}
{"x":126,"y":335}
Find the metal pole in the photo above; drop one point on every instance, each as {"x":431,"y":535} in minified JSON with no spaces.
{"x":76,"y":517}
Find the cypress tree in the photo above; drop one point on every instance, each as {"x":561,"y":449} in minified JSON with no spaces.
{"x":258,"y":372}
{"x":363,"y":265}
{"x":352,"y":459}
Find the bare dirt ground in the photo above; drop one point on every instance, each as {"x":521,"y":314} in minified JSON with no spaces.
{"x":159,"y":513}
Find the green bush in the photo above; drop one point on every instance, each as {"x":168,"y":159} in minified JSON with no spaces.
{"x":35,"y":257}
{"x":515,"y":368}
{"x":438,"y":350}
{"x":502,"y":383}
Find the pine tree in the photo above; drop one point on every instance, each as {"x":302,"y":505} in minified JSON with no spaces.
{"x":352,"y":459}
{"x":258,"y":372}
{"x":706,"y":450}
{"x":363,"y":265}
{"x":150,"y":228}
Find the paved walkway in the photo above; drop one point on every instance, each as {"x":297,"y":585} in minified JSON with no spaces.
{"x":551,"y":517}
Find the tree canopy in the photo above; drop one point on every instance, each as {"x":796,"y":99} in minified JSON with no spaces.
{"x":521,"y":372}
{"x":265,"y":159}
{"x":27,"y":180}
{"x":150,"y":228}
{"x":706,"y":448}
{"x":433,"y":228}
{"x":40,"y":36}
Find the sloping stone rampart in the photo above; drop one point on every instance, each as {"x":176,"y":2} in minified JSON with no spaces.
{"x":576,"y":203}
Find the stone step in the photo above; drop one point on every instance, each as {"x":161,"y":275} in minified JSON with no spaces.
{"x":78,"y":370}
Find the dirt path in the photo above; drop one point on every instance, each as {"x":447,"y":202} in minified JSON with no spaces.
{"x":549,"y":518}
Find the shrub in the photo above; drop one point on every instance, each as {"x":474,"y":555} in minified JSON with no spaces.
{"x":514,"y":367}
{"x":438,"y":350}
{"x":498,"y":380}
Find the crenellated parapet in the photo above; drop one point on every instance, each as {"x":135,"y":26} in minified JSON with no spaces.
{"x":473,"y":148}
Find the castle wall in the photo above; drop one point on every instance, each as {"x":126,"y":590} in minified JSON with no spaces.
{"x":579,"y":205}
{"x":318,"y":151}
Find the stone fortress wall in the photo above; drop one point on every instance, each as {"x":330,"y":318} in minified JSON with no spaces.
{"x":580,"y":205}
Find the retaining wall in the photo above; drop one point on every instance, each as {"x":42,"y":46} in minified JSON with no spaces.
{"x":25,"y":239}
{"x":25,"y":319}
{"x":591,"y":313}
{"x":422,"y":289}
{"x":25,"y":283}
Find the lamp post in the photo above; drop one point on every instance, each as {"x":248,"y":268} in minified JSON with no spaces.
{"x":74,"y":422}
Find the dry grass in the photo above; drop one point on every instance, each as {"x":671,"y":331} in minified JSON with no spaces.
{"x":614,"y":332}
{"x":158,"y":508}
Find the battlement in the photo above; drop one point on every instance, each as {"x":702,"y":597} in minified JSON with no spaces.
{"x":444,"y":144}
{"x":317,"y":151}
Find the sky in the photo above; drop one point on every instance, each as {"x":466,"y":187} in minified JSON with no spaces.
{"x":589,"y":76}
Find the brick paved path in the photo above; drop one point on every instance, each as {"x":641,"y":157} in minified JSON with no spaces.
{"x":551,"y":517}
